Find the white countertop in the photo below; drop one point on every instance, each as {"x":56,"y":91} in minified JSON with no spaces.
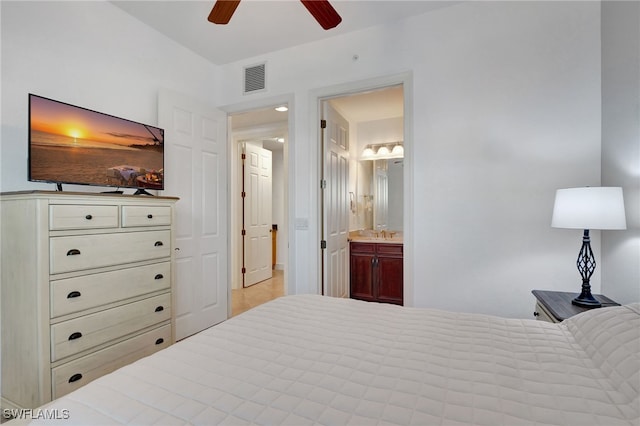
{"x":375,"y":237}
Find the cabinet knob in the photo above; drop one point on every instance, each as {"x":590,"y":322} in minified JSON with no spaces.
{"x":149,"y":216}
{"x":75,"y":377}
{"x":73,"y":252}
{"x":159,"y":277}
{"x":536,"y":314}
{"x":158,"y":244}
{"x":73,"y":294}
{"x":75,"y":335}
{"x":160,"y":341}
{"x":160,"y":309}
{"x":88,"y":217}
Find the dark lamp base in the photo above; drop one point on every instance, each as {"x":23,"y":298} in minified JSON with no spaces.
{"x":587,"y":301}
{"x":586,"y":265}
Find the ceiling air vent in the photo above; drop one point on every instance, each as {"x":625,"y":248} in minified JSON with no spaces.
{"x":254,"y":78}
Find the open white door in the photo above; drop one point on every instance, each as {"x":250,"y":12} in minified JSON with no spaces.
{"x":196,"y":171}
{"x":257,"y":222}
{"x":335,"y":203}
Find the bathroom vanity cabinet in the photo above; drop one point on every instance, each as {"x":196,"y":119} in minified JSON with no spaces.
{"x":376,"y":272}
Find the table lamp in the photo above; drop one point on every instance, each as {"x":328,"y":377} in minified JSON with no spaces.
{"x":588,"y":208}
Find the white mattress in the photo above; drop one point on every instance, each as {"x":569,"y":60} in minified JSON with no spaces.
{"x":315,"y":360}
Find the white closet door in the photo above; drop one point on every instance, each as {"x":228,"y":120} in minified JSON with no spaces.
{"x":196,"y":171}
{"x":257,"y":214}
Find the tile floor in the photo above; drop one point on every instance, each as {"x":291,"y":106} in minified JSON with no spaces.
{"x":244,"y":299}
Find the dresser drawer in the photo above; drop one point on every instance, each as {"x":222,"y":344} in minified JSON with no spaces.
{"x":84,"y":216}
{"x":363,"y":247}
{"x":72,"y":375}
{"x":145,"y":216}
{"x":88,"y":291}
{"x":76,"y":335}
{"x":391,"y":249}
{"x":542,"y":314}
{"x":76,"y":253}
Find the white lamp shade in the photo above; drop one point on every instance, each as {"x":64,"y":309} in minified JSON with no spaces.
{"x":589,"y":208}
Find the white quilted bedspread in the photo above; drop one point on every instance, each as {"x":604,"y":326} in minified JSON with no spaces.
{"x":303,"y":360}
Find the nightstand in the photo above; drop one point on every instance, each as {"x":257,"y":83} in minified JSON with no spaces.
{"x":555,"y":306}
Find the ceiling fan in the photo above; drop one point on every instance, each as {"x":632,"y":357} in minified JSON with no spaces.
{"x":321,"y":10}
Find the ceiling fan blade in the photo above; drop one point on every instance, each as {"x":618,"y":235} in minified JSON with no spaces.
{"x":324,"y":13}
{"x":223,"y":11}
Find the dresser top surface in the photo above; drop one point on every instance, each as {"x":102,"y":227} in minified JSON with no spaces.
{"x":63,"y":194}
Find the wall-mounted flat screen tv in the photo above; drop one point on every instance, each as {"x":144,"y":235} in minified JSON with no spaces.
{"x":73,"y":145}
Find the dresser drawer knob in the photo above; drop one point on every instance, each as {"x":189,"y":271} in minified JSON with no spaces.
{"x":149,"y":216}
{"x":75,"y":377}
{"x":73,"y":252}
{"x":536,"y":314}
{"x":73,"y":294}
{"x":75,"y":335}
{"x":159,"y":277}
{"x":88,"y":217}
{"x":160,"y":309}
{"x":160,"y":341}
{"x":158,"y":244}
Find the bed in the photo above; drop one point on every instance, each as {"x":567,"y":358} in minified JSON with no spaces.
{"x":308,"y":359}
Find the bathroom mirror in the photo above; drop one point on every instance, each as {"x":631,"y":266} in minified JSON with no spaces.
{"x":380,"y":195}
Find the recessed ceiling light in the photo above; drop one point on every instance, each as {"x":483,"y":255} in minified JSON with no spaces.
{"x":282,"y":108}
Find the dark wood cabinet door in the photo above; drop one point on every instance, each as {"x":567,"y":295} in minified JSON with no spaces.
{"x":389,"y":283}
{"x":376,"y":272}
{"x":361,"y":272}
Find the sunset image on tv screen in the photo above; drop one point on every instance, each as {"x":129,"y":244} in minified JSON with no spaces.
{"x":69,"y":144}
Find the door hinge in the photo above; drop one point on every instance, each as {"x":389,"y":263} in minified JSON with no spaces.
{"x":244,"y":270}
{"x":323,"y":124}
{"x":243,"y":194}
{"x":244,"y":156}
{"x":244,"y":232}
{"x":323,"y":244}
{"x":323,"y":184}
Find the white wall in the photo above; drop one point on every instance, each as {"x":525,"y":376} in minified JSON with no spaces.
{"x":278,"y":206}
{"x":621,"y":144}
{"x":89,"y":54}
{"x":506,"y":109}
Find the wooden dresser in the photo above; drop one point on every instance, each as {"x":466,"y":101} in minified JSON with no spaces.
{"x":86,"y":287}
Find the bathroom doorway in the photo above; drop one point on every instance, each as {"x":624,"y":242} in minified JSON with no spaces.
{"x":362,"y":181}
